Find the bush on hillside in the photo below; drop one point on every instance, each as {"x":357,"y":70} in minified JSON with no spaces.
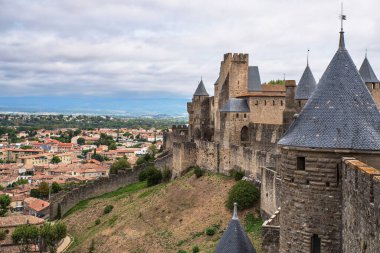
{"x":166,"y":175}
{"x":152,"y":175}
{"x":196,"y":249}
{"x":97,"y":221}
{"x":108,"y":209}
{"x":236,"y":174}
{"x":198,"y":171}
{"x":210,"y":231}
{"x":244,"y":193}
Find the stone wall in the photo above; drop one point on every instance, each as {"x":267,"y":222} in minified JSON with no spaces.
{"x":311,"y":201}
{"x":266,"y":110}
{"x":270,"y":192}
{"x":164,"y":161}
{"x":184,"y":156}
{"x":67,"y":200}
{"x":361,"y":205}
{"x":271,"y":233}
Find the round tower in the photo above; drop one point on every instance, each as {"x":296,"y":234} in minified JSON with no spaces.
{"x":339,"y":119}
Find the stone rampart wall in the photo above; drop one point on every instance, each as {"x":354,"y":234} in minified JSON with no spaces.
{"x":271,"y":234}
{"x":67,"y":200}
{"x":361,"y":207}
{"x":270,"y":192}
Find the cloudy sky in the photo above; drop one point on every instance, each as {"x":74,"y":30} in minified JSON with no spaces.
{"x":161,"y":48}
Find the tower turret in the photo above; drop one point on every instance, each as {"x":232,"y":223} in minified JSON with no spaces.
{"x":340,"y":119}
{"x":370,"y":79}
{"x":305,"y":87}
{"x":199,"y":114}
{"x":234,"y":239}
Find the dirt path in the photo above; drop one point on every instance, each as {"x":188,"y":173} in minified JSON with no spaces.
{"x":65,"y":243}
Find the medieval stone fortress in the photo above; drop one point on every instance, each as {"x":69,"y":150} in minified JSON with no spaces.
{"x":314,"y":148}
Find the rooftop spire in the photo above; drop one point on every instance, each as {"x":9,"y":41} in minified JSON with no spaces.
{"x":235,"y":216}
{"x":366,"y":53}
{"x":307,"y":58}
{"x":342,"y":17}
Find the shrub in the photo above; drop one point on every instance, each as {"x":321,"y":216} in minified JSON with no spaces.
{"x":154,"y":177}
{"x":97,"y":221}
{"x":244,"y":193}
{"x":3,"y":235}
{"x":198,"y":171}
{"x":166,"y":175}
{"x":210,"y":231}
{"x":108,"y":209}
{"x":181,"y":251}
{"x":143,"y":175}
{"x":236,"y":174}
{"x":196,"y":249}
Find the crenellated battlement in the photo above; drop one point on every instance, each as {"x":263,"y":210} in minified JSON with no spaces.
{"x":235,"y":57}
{"x":180,"y":127}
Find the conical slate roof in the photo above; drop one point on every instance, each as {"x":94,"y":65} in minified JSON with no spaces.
{"x":254,"y":81}
{"x":341,"y":112}
{"x":235,"y":105}
{"x":234,"y":239}
{"x":367,"y":72}
{"x":306,"y":85}
{"x":201,"y":90}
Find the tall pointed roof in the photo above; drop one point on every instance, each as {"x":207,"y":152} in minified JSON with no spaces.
{"x":201,"y":90}
{"x":234,"y":239}
{"x":367,"y":72}
{"x":341,"y":112}
{"x":254,"y":81}
{"x":306,"y":85}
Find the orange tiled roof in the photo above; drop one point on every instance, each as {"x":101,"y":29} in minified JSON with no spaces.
{"x":36,"y":204}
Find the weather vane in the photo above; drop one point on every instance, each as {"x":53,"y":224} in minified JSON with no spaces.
{"x":307,"y":58}
{"x":342,"y":18}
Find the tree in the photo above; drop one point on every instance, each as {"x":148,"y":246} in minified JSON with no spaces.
{"x":98,"y":157}
{"x":55,"y":159}
{"x":112,"y":146}
{"x":81,"y":141}
{"x":244,"y":193}
{"x":77,"y":132}
{"x":153,"y":150}
{"x":51,"y":234}
{"x":5,"y":200}
{"x":43,"y":189}
{"x":147,"y":158}
{"x":120,"y":164}
{"x":25,"y":236}
{"x":55,"y":187}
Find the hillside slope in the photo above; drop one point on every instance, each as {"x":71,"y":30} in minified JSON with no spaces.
{"x":164,"y":218}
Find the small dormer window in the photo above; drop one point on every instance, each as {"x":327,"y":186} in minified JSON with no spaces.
{"x":237,"y":115}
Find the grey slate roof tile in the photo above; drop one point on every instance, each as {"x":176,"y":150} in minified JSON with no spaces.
{"x":367,"y":72}
{"x":341,"y":112}
{"x":306,"y":85}
{"x":234,"y":239}
{"x":235,"y":105}
{"x":254,"y":81}
{"x":201,"y":90}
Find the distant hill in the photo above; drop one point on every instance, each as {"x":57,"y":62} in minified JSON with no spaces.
{"x":164,"y":218}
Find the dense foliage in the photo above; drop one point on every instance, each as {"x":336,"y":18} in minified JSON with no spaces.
{"x":152,"y":175}
{"x":5,"y":200}
{"x":121,"y":164}
{"x":145,"y":159}
{"x":198,"y":171}
{"x":50,"y":122}
{"x":244,"y":193}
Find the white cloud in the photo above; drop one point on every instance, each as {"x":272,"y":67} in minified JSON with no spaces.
{"x":95,"y":47}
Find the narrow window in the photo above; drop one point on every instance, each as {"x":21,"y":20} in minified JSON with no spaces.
{"x":337,"y":174}
{"x":256,"y":102}
{"x":237,"y":115}
{"x":282,"y":103}
{"x":300,"y":163}
{"x":315,"y":244}
{"x":373,"y":86}
{"x":245,"y":115}
{"x":274,"y":103}
{"x":299,"y":103}
{"x":265,"y":102}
